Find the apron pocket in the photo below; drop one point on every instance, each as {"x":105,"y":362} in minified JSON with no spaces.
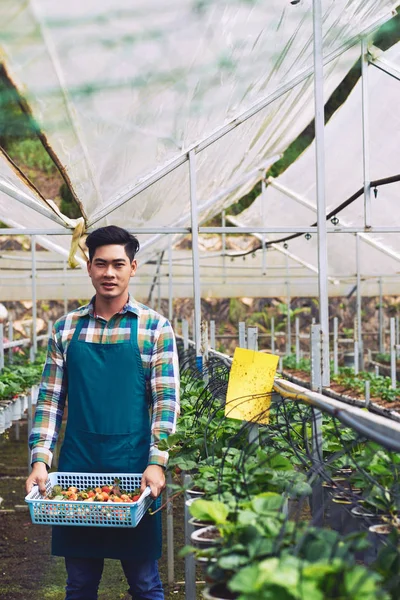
{"x":88,"y":452}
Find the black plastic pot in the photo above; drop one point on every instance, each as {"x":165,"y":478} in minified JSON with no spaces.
{"x":340,"y":517}
{"x":218,"y":592}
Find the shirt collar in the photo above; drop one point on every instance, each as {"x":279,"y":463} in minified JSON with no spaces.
{"x":131,"y":306}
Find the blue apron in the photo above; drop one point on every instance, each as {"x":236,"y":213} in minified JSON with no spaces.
{"x":108,"y":431}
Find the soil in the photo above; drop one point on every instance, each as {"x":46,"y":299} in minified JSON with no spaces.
{"x":210,"y":534}
{"x":302,"y":377}
{"x":27,"y":569}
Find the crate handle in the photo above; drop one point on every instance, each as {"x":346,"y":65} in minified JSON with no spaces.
{"x":146,"y":492}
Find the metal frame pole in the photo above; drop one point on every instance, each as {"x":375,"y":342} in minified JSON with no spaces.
{"x":212,"y":335}
{"x":242,"y":334}
{"x":356,"y":348}
{"x":365,"y":133}
{"x":223,"y":239}
{"x":297,"y":330}
{"x":34,"y":307}
{"x":170,"y":532}
{"x":381,"y":338}
{"x":195,"y":256}
{"x":185,"y":333}
{"x":288,"y":301}
{"x":393,"y":352}
{"x":252,"y":344}
{"x":335,"y":345}
{"x":320,"y":189}
{"x":273,"y":335}
{"x":159,"y":292}
{"x":170,"y":298}
{"x":190,"y":565}
{"x":1,"y":346}
{"x":316,"y":347}
{"x":359,"y":302}
{"x":264,"y":250}
{"x":10,"y":339}
{"x":65,"y":287}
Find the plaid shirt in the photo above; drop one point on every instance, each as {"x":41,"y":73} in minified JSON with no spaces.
{"x":157,"y":347}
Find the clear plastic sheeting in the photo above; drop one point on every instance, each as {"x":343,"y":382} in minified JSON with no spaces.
{"x":121,"y":90}
{"x":293,"y":194}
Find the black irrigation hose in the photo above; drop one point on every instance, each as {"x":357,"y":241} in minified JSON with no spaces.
{"x":374,"y":184}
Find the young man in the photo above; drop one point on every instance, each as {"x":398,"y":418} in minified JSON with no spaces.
{"x":116,"y":361}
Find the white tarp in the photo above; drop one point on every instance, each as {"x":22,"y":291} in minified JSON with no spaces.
{"x":379,"y":253}
{"x":121,"y":89}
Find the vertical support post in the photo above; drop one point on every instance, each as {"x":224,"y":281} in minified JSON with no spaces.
{"x":1,"y":346}
{"x":49,"y":328}
{"x":242,"y":335}
{"x":159,"y":289}
{"x":335,"y":345}
{"x":170,"y":532}
{"x":359,"y":302}
{"x":190,"y":565}
{"x":397,"y":335}
{"x":204,"y":340}
{"x":34,"y":307}
{"x":185,"y":334}
{"x":393,"y":352}
{"x":288,"y":324}
{"x":195,"y":256}
{"x":356,"y":348}
{"x":11,"y":339}
{"x":170,"y":298}
{"x":316,"y":345}
{"x":381,"y":334}
{"x":297,"y":329}
{"x":367,"y":394}
{"x":365,"y":132}
{"x":377,"y":370}
{"x":29,"y":426}
{"x":65,"y":287}
{"x":252,"y":344}
{"x":273,"y":335}
{"x":223,"y":222}
{"x":320,"y":188}
{"x":264,"y":250}
{"x":212,"y":335}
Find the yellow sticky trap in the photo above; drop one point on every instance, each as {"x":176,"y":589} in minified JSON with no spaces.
{"x":250,"y":385}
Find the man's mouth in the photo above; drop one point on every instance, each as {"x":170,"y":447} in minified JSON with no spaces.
{"x":108,"y":286}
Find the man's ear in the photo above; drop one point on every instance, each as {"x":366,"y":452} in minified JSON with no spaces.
{"x":133,"y":268}
{"x":88,"y":266}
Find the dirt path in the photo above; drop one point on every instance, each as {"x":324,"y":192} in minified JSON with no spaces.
{"x":27,"y":570}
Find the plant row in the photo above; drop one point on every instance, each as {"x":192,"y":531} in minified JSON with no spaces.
{"x":258,"y":540}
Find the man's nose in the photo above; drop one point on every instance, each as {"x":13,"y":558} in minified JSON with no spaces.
{"x":109,"y":271}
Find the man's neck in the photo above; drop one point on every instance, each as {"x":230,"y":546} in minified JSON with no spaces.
{"x":108,"y":308}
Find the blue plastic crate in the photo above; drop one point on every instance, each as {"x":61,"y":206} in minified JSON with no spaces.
{"x":89,"y":514}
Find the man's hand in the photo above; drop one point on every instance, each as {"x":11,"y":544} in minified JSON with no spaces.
{"x":38,"y":477}
{"x":155,"y":478}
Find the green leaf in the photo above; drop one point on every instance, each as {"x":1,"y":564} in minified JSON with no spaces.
{"x":245,"y":580}
{"x":209,"y":510}
{"x":267,"y":502}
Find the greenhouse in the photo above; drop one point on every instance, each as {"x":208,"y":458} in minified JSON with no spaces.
{"x":252,"y":147}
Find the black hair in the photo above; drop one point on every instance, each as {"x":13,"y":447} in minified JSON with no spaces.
{"x":104,"y":236}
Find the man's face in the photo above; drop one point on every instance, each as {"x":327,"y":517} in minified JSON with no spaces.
{"x":111,"y":270}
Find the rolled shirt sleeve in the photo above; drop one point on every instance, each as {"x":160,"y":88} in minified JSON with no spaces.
{"x":164,"y":380}
{"x":50,"y":405}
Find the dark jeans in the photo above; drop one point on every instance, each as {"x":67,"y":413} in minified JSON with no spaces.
{"x":84,"y":576}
